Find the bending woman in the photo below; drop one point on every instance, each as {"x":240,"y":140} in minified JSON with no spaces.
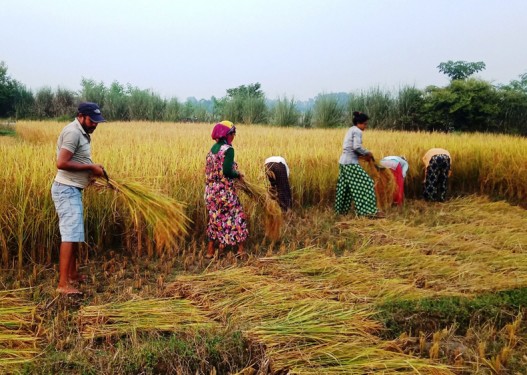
{"x":399,"y":167}
{"x":227,"y":224}
{"x":353,"y":183}
{"x":277,"y":173}
{"x":438,"y":167}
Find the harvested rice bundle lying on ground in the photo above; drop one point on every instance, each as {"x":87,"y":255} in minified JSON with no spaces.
{"x":454,"y":255}
{"x":164,"y":216}
{"x":348,"y":358}
{"x":146,"y":315}
{"x":313,"y":268}
{"x":384,"y":181}
{"x":18,"y":339}
{"x":273,"y":213}
{"x":303,"y":332}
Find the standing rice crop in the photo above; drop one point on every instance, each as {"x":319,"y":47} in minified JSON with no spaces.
{"x":168,"y":157}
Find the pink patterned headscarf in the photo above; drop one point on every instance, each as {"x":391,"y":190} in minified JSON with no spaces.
{"x":223,"y":130}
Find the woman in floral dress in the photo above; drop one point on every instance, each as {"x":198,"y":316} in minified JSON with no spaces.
{"x":227,"y":225}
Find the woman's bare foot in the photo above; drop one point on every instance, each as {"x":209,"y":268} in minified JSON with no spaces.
{"x":68,"y":290}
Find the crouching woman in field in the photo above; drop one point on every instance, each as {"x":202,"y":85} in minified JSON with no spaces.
{"x":353,"y":183}
{"x":438,"y":167}
{"x":227,"y":224}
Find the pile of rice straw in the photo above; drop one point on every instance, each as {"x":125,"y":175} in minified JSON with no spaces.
{"x":165,"y":217}
{"x":18,"y":339}
{"x":141,"y":315}
{"x":273,"y":213}
{"x":384,"y":181}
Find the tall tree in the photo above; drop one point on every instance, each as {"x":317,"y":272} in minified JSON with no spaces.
{"x":243,"y":104}
{"x":138,"y":103}
{"x":328,"y":112}
{"x":252,"y":90}
{"x":93,"y":91}
{"x":44,"y":99}
{"x":7,"y":92}
{"x":116,"y":103}
{"x":466,"y":105}
{"x":64,"y":103}
{"x":172,"y":110}
{"x":24,"y":102}
{"x":518,"y":84}
{"x":460,"y":69}
{"x":285,"y":113}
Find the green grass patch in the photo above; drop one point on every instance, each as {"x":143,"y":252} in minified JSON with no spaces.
{"x":432,"y":314}
{"x":7,"y":132}
{"x":151,"y":354}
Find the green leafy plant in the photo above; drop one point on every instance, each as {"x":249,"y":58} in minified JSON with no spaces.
{"x":460,"y":69}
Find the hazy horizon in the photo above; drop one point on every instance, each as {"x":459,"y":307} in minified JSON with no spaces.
{"x":292,"y":48}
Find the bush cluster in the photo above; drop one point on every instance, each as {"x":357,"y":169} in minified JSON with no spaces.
{"x":466,"y":104}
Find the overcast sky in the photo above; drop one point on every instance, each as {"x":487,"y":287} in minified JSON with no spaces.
{"x":298,"y":48}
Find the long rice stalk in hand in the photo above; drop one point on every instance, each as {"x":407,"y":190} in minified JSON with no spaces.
{"x":273,"y":213}
{"x":165,"y":217}
{"x":384,"y":183}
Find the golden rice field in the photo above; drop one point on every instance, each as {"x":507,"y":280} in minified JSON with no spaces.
{"x":432,"y":289}
{"x":169,"y":158}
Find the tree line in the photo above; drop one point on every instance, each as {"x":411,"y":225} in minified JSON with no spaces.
{"x":465,"y":104}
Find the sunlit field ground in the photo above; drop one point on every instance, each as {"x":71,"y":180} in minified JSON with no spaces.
{"x":433,"y":288}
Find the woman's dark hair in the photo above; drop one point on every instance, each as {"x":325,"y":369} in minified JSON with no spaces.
{"x":359,"y":118}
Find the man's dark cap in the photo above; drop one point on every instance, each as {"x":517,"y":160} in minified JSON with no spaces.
{"x":92,"y":110}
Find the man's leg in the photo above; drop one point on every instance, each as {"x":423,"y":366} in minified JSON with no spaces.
{"x":67,"y":251}
{"x":68,"y":203}
{"x":73,"y":272}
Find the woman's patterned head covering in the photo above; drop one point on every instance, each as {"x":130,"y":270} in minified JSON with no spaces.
{"x":222,"y":129}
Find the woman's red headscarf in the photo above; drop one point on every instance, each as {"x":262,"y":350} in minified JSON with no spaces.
{"x":224,"y":130}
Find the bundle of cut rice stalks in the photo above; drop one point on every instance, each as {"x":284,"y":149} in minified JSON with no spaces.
{"x":164,"y":217}
{"x":142,"y":315}
{"x":302,"y":331}
{"x":273,"y":218}
{"x":18,"y":339}
{"x":384,"y":183}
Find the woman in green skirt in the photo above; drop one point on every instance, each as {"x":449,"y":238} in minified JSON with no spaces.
{"x":354,"y":184}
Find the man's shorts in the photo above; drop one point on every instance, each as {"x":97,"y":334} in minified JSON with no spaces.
{"x":68,"y":203}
